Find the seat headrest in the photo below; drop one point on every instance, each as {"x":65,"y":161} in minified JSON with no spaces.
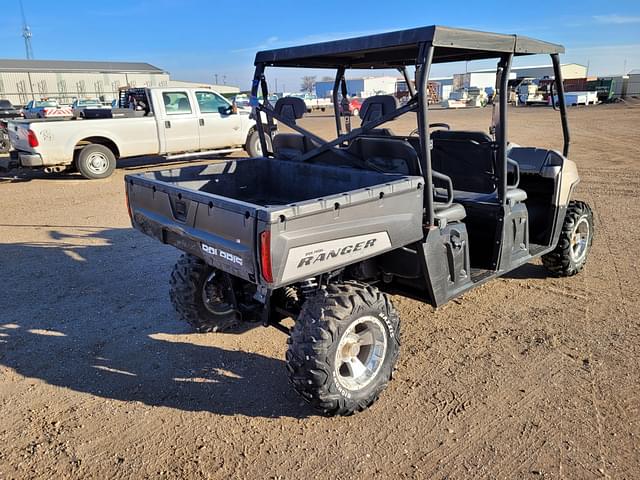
{"x":290,"y":108}
{"x":376,"y":107}
{"x":479,"y":137}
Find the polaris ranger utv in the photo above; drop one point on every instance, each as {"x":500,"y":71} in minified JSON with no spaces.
{"x":321,"y":231}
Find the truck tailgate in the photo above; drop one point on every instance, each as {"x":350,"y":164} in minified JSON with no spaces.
{"x":18,"y":134}
{"x":214,"y":229}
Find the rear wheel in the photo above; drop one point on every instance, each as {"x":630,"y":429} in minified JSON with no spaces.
{"x":95,"y":161}
{"x":5,"y":145}
{"x":203,"y":295}
{"x":570,"y":255}
{"x":253,"y":146}
{"x":343,"y":348}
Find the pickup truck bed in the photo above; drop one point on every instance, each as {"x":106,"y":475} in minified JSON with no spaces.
{"x":316,"y":216}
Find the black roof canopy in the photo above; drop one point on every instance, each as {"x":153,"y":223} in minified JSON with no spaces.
{"x":395,"y":49}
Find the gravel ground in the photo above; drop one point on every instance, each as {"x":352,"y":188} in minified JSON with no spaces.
{"x":524,"y":377}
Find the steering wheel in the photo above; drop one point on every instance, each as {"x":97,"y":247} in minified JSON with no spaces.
{"x":415,"y":133}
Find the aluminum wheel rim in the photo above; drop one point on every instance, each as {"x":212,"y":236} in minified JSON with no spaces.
{"x":97,"y":162}
{"x":580,"y":240}
{"x":213,"y":297}
{"x":259,"y":147}
{"x":361,"y":352}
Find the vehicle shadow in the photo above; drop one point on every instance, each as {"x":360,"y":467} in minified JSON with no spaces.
{"x":139,"y":163}
{"x":529,"y":271}
{"x":22,"y":175}
{"x":88,"y":310}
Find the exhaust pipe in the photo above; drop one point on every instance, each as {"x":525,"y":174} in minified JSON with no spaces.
{"x":56,"y":169}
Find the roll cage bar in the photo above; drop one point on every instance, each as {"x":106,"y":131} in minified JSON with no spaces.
{"x":421,"y":48}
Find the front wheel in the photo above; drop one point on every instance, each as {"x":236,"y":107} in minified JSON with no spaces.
{"x":570,"y":255}
{"x":202,"y":295}
{"x":253,"y":147}
{"x":95,"y":161}
{"x":343,"y":348}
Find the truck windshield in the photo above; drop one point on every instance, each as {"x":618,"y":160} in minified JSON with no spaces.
{"x":47,"y":103}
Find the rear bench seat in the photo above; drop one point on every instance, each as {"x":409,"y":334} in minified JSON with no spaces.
{"x":468,"y":158}
{"x":396,"y":155}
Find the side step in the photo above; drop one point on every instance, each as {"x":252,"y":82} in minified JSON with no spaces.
{"x":204,"y":152}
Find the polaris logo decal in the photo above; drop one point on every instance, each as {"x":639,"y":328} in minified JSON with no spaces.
{"x":320,"y":257}
{"x":230,"y":257}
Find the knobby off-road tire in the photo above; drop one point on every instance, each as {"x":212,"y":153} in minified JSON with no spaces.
{"x":321,"y":347}
{"x":95,"y":162}
{"x":5,"y":146}
{"x":197,"y":292}
{"x":570,"y":255}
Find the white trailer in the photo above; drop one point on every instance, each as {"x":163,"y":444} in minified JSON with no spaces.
{"x":579,"y":98}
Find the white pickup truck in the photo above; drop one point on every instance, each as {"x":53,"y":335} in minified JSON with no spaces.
{"x":160,"y":121}
{"x":313,"y":102}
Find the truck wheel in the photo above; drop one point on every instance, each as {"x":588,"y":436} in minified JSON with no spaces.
{"x":253,"y":146}
{"x":570,"y":255}
{"x":96,"y":161}
{"x":343,"y":348}
{"x":202,"y":295}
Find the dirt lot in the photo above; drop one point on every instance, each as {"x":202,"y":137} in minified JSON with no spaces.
{"x":525,"y":377}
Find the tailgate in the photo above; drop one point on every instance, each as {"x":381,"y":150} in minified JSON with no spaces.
{"x":18,"y":135}
{"x":220,"y":231}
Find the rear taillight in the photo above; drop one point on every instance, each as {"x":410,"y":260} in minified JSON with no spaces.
{"x":265,"y":256}
{"x":33,"y":140}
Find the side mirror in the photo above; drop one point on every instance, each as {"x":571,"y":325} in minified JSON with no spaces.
{"x":228,"y":110}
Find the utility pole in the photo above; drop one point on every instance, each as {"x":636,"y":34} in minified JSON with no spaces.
{"x":216,"y":76}
{"x":26,"y":34}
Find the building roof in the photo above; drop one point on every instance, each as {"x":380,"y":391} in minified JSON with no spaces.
{"x":14,"y":65}
{"x":396,"y":49}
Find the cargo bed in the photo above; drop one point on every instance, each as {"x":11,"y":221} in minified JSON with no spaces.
{"x":316,"y":216}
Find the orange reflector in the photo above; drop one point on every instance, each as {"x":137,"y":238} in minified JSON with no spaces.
{"x":265,"y":256}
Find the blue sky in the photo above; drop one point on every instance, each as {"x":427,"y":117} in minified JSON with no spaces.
{"x":194,"y":40}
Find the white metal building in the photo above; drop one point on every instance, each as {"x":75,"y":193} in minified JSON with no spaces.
{"x":569,"y":71}
{"x":360,"y":87}
{"x":223,"y":89}
{"x":24,"y":80}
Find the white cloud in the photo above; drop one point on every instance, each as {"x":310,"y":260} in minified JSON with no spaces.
{"x":614,"y":19}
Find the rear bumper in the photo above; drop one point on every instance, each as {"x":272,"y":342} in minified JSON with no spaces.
{"x":27,"y":159}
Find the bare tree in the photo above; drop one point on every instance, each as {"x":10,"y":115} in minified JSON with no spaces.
{"x":308,"y":84}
